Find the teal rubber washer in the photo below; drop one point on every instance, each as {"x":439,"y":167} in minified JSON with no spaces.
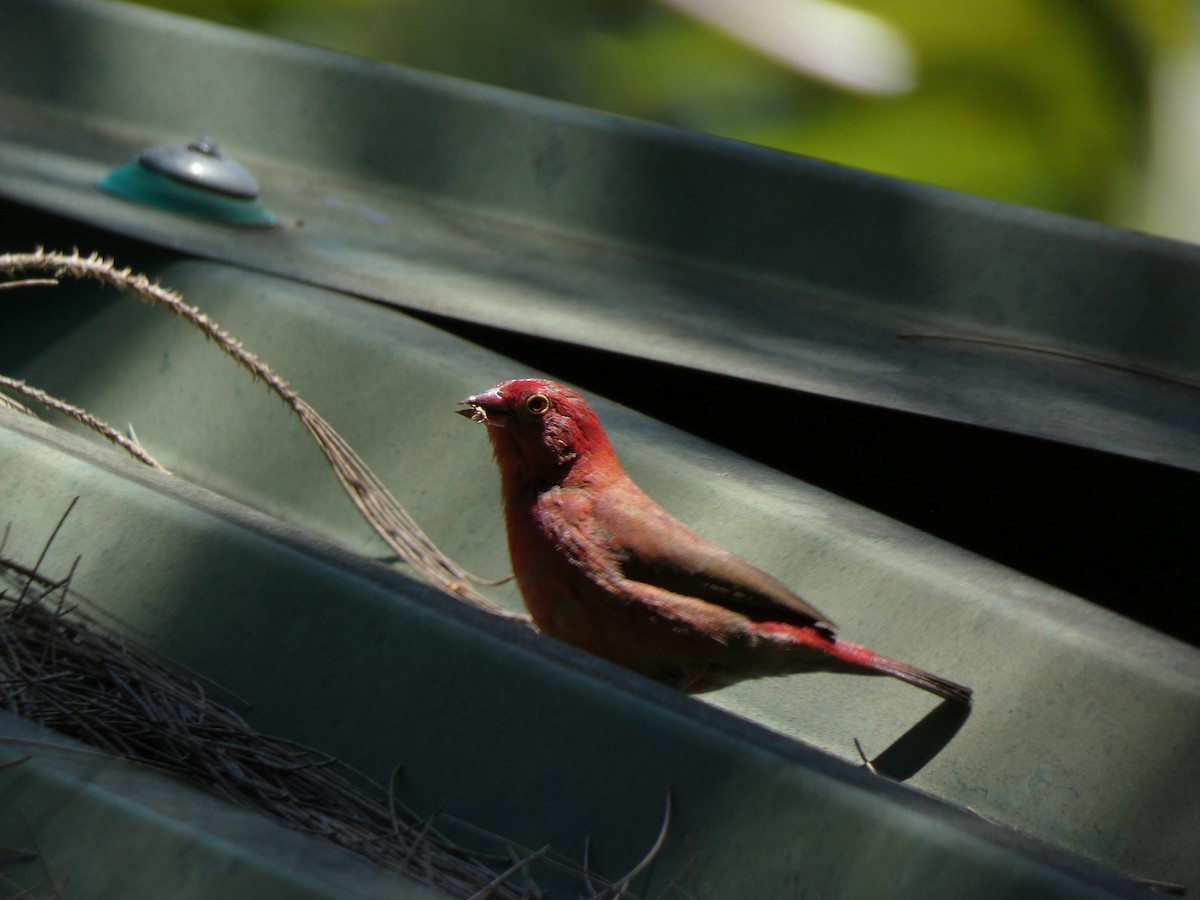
{"x":194,"y":179}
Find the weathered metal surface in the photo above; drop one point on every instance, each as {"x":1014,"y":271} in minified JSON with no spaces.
{"x":514,"y":733}
{"x":104,"y":828}
{"x":477,"y":203}
{"x":1077,"y":734}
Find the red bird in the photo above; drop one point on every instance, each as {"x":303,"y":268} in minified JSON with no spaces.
{"x":604,"y":567}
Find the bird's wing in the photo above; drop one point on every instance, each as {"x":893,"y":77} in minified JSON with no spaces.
{"x":655,"y":548}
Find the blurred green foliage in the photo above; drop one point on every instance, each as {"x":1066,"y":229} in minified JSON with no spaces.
{"x":1040,"y":102}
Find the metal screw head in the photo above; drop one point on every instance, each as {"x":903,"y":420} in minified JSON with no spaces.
{"x":201,"y":164}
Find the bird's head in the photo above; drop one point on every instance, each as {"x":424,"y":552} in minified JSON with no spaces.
{"x":538,"y":428}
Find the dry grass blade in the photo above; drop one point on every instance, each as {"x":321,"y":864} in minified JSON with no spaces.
{"x":28,"y":282}
{"x":18,"y":892}
{"x":592,"y":883}
{"x":136,"y":450}
{"x":55,"y":887}
{"x":1045,"y":350}
{"x":867,"y":763}
{"x":369,"y":495}
{"x":389,"y":519}
{"x":63,"y":669}
{"x":7,"y":402}
{"x":488,"y":890}
{"x":619,"y":889}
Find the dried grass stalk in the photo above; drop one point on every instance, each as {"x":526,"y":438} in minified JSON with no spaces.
{"x":369,"y":495}
{"x":129,"y":444}
{"x":63,"y":669}
{"x":28,"y":282}
{"x":7,"y":402}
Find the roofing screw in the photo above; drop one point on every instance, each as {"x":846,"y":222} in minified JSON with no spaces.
{"x":201,"y":164}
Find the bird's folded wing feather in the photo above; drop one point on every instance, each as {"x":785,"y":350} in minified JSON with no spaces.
{"x":654,"y":548}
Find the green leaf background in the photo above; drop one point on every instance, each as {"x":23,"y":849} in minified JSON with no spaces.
{"x":1065,"y":105}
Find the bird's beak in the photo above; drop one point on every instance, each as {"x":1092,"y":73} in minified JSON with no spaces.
{"x":489,"y":408}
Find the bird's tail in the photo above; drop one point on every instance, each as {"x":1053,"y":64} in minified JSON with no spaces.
{"x":861,"y":658}
{"x":822,"y":650}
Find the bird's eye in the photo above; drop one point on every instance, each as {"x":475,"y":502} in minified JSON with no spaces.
{"x":537,"y":404}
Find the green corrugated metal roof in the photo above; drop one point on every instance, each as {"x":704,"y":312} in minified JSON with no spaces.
{"x":476,"y":204}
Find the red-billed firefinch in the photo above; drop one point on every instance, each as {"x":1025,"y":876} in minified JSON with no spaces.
{"x":604,"y":567}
